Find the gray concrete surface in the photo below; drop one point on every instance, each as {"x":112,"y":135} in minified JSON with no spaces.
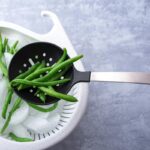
{"x":114,"y":36}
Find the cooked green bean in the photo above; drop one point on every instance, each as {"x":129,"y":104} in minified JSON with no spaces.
{"x":3,"y":68}
{"x":40,"y":66}
{"x":63,"y":57}
{"x":59,"y":67}
{"x":19,"y":139}
{"x":16,"y":105}
{"x":13,"y":48}
{"x":7,"y":102}
{"x":53,"y":93}
{"x":34,"y":83}
{"x":51,"y":108}
{"x":35,"y":94}
{"x":60,"y":74}
{"x":37,"y":73}
{"x":8,"y":48}
{"x":14,"y":108}
{"x":15,"y":44}
{"x":2,"y":65}
{"x":42,"y":96}
{"x":5,"y":44}
{"x":26,"y":73}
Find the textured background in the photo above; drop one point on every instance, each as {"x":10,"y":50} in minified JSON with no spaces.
{"x":114,"y":36}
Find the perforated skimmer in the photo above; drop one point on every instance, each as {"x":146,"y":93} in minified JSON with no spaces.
{"x":36,"y":52}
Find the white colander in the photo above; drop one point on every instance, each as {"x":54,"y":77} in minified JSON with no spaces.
{"x":70,"y":113}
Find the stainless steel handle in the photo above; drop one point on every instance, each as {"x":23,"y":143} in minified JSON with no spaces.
{"x":127,"y":77}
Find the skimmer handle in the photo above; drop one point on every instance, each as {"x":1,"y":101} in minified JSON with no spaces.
{"x":127,"y":77}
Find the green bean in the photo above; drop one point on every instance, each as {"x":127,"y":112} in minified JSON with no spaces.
{"x":53,"y":93}
{"x":26,"y":73}
{"x":7,"y":102}
{"x":42,"y":96}
{"x":34,"y":83}
{"x":6,"y":123}
{"x":12,"y":49}
{"x":43,"y":109}
{"x":19,"y":139}
{"x":14,"y":108}
{"x":5,"y":44}
{"x":43,"y":70}
{"x":50,"y":87}
{"x":16,"y":105}
{"x":3,"y":68}
{"x":58,"y":75}
{"x":40,"y":66}
{"x":15,"y":44}
{"x":35,"y":94}
{"x":2,"y":65}
{"x":8,"y":48}
{"x":59,"y":67}
{"x":63,"y":57}
{"x":37,"y":68}
{"x":35,"y":74}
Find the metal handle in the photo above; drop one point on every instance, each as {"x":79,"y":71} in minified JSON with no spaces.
{"x":127,"y":77}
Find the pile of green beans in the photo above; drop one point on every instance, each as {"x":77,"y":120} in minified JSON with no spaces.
{"x":46,"y":84}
